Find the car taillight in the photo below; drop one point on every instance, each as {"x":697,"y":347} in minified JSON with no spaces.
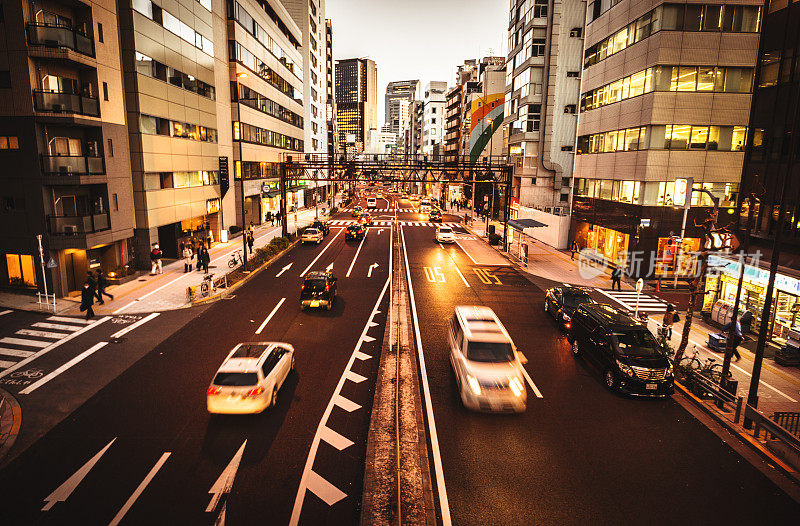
{"x":255,"y":392}
{"x":302,"y":286}
{"x":212,"y":390}
{"x":327,"y":287}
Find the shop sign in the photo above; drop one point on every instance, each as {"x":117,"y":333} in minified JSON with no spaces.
{"x":683,"y":190}
{"x":212,"y":205}
{"x":754,"y":275}
{"x":266,"y":188}
{"x":224,"y":181}
{"x":644,"y":222}
{"x":747,"y":286}
{"x":94,"y":262}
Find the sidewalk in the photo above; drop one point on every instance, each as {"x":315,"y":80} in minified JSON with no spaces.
{"x":165,"y":291}
{"x":779,"y":387}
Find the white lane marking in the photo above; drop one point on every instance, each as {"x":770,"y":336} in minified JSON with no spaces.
{"x":62,"y":493}
{"x":69,"y":320}
{"x":324,"y":490}
{"x":367,"y":338}
{"x":139,"y":490}
{"x":335,"y":439}
{"x":271,"y":314}
{"x":85,"y":354}
{"x":129,"y":328}
{"x":4,"y":364}
{"x":16,"y":352}
{"x":530,"y":382}
{"x":284,"y":269}
{"x":460,"y":275}
{"x":53,"y":346}
{"x":26,"y":342}
{"x":437,"y":457}
{"x":465,"y":252}
{"x":42,"y":334}
{"x":355,"y":377}
{"x":3,"y":313}
{"x":56,"y":326}
{"x":311,"y":480}
{"x":349,"y":270}
{"x":320,"y":253}
{"x":224,"y":483}
{"x":363,"y":356}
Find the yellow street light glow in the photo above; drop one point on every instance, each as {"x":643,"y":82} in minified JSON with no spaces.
{"x":241,"y":75}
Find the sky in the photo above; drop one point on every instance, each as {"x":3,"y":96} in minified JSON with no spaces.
{"x":417,"y":39}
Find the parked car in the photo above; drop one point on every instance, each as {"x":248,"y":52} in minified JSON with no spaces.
{"x":629,"y":357}
{"x":435,"y":216}
{"x":312,"y":235}
{"x":356,"y":211}
{"x":250,"y":377}
{"x":323,"y":226}
{"x":318,"y":290}
{"x":444,"y":234}
{"x":355,"y":232}
{"x":485,"y":361}
{"x":561,"y":302}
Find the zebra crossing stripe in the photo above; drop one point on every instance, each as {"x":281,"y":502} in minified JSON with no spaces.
{"x":26,"y":342}
{"x":14,"y":352}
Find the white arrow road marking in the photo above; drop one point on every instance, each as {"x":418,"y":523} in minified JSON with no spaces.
{"x":85,"y":354}
{"x":62,"y":493}
{"x":329,"y":268}
{"x":271,"y":314}
{"x":284,"y":269}
{"x":225,"y":481}
{"x":354,"y":377}
{"x":324,"y":489}
{"x":221,"y":518}
{"x":121,"y":513}
{"x":371,"y":268}
{"x":129,"y":328}
{"x":320,"y":253}
{"x":335,"y":439}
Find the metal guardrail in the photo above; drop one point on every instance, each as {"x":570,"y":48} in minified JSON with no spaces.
{"x":704,"y":387}
{"x":789,"y":420}
{"x":772,"y":429}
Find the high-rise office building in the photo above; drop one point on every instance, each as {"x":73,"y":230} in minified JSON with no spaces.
{"x":433,"y":103}
{"x":666,"y":91}
{"x":330,"y":99}
{"x":398,"y":94}
{"x":356,"y":100}
{"x":63,"y":145}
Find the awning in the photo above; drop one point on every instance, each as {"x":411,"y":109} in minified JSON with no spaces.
{"x":522,"y":224}
{"x":271,"y":194}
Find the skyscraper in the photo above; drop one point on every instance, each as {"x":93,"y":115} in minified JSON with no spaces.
{"x":396,"y":93}
{"x":356,"y":100}
{"x":330,"y":99}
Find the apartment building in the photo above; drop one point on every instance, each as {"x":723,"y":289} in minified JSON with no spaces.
{"x":665,"y":102}
{"x":412,"y":135}
{"x":265,"y":72}
{"x":64,"y":145}
{"x":356,"y":101}
{"x":545,"y":46}
{"x":452,"y":124}
{"x":484,"y":100}
{"x":433,"y":103}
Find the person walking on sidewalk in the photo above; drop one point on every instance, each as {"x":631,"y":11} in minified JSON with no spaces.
{"x":746,"y":321}
{"x":670,"y":317}
{"x":155,"y":257}
{"x":102,"y":283}
{"x":87,"y":300}
{"x":250,"y":241}
{"x":616,"y":278}
{"x":734,"y":330}
{"x":187,"y":258}
{"x":573,"y":248}
{"x":204,"y":257}
{"x":92,"y":284}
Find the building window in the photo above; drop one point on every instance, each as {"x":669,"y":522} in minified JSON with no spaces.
{"x":576,"y":32}
{"x":9,"y":142}
{"x":566,"y":148}
{"x":105,"y":91}
{"x":563,"y":198}
{"x":570,"y":108}
{"x":115,"y":202}
{"x":20,"y":270}
{"x":573,"y":74}
{"x":100,"y":32}
{"x":110,"y":150}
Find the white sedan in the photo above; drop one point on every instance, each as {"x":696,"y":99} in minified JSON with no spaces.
{"x":250,"y":377}
{"x":445,"y":234}
{"x":312,"y":235}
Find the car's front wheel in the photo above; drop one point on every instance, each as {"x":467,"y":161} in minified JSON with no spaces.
{"x":576,"y":351}
{"x":274,"y":399}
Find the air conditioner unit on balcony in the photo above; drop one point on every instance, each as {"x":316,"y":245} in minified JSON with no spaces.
{"x":70,"y":229}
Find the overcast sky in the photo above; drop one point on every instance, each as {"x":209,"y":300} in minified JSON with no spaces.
{"x":422,"y":39}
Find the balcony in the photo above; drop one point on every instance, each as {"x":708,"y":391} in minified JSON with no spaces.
{"x":78,"y":225}
{"x":71,"y":165}
{"x":58,"y":102}
{"x":60,"y":37}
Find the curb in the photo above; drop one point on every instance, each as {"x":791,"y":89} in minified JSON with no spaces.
{"x":10,"y":421}
{"x":241,"y":282}
{"x":744,"y":438}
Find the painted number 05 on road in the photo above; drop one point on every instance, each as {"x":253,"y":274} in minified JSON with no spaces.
{"x":434,"y":274}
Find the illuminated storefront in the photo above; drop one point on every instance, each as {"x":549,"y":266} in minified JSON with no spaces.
{"x":607,"y":243}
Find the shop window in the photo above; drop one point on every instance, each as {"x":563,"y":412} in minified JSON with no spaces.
{"x":21,"y":270}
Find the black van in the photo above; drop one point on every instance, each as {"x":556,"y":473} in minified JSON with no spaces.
{"x":318,"y":290}
{"x":623,"y":349}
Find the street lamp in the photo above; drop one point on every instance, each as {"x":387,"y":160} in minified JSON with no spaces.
{"x":241,"y":75}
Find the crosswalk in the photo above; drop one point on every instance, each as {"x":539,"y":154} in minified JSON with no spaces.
{"x":345,"y":222}
{"x":382,"y":209}
{"x":627,"y":298}
{"x":39,"y":335}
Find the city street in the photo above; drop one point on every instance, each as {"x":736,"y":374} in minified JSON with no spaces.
{"x":135,"y":444}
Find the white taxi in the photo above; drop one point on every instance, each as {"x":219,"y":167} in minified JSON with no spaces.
{"x":445,"y":234}
{"x":312,"y":235}
{"x":250,"y":377}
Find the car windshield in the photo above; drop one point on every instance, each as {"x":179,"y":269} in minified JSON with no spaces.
{"x":444,"y":230}
{"x":489,"y":352}
{"x":315,"y":285}
{"x":573,"y":298}
{"x":637,"y":343}
{"x":311,"y":231}
{"x":353,"y":228}
{"x":236,"y":379}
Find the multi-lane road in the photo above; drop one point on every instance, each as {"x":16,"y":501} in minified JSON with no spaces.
{"x":142,"y":449}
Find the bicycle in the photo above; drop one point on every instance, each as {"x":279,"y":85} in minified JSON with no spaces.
{"x":236,"y":259}
{"x":207,"y":285}
{"x":708,"y":369}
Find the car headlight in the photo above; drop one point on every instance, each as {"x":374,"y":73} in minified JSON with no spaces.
{"x":474,"y":385}
{"x":516,"y":386}
{"x":669,"y":369}
{"x":626,"y":369}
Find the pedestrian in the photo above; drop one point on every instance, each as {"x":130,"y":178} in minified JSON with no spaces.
{"x":746,"y":321}
{"x":206,"y":258}
{"x":90,"y":279}
{"x":616,"y":278}
{"x":155,"y":257}
{"x":87,"y":300}
{"x":574,"y":249}
{"x":102,"y":283}
{"x":187,"y":258}
{"x":252,"y":227}
{"x":734,"y":330}
{"x":250,"y":241}
{"x":670,"y":317}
